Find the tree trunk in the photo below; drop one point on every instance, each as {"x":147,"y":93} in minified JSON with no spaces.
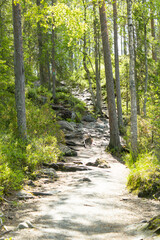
{"x":48,"y":70}
{"x":84,"y":59}
{"x":113,"y":122}
{"x":136,"y":43}
{"x":146,"y":69}
{"x":40,"y":46}
{"x":132,"y":82}
{"x":118,"y":90}
{"x":154,"y":52}
{"x":124,"y":37}
{"x":19,"y":71}
{"x":97,"y":75}
{"x":53,"y":61}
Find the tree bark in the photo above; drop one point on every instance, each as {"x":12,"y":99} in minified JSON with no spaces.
{"x":118,"y":90}
{"x":19,"y":71}
{"x":84,"y":59}
{"x":154,"y":52}
{"x":124,"y":37}
{"x":97,"y":75}
{"x":53,"y":60}
{"x":146,"y":68}
{"x":136,"y":43}
{"x":113,"y":122}
{"x":132,"y":82}
{"x":40,"y":46}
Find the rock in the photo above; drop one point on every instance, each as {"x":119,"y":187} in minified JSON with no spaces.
{"x":67,"y":151}
{"x":75,"y":117}
{"x":29,"y":224}
{"x":143,"y":193}
{"x":65,"y":114}
{"x":31,"y":183}
{"x":101,"y":163}
{"x":51,"y":165}
{"x":88,"y":141}
{"x":66,"y":125}
{"x":73,"y":143}
{"x":104,"y":144}
{"x":65,"y":167}
{"x":70,"y":143}
{"x":49,"y":172}
{"x":57,"y":107}
{"x":42,"y":193}
{"x":74,"y":135}
{"x":157,"y":195}
{"x":22,"y":194}
{"x":88,"y":118}
{"x":78,"y":162}
{"x":85,"y":179}
{"x":100,"y":126}
{"x":24,"y":225}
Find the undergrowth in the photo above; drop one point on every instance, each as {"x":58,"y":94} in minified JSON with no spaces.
{"x":19,"y":159}
{"x":144,"y":177}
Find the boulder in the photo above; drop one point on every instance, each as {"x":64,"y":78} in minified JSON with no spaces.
{"x":68,"y":152}
{"x":66,"y":125}
{"x":74,"y":135}
{"x":65,"y":114}
{"x":47,"y":172}
{"x":22,"y":194}
{"x":65,"y":167}
{"x":85,"y":179}
{"x":101,"y":163}
{"x":88,"y":118}
{"x":24,"y":225}
{"x":42,"y":193}
{"x":73,"y":143}
{"x":88,"y":141}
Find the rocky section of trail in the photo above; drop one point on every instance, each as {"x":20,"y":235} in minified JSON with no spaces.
{"x":84,"y":198}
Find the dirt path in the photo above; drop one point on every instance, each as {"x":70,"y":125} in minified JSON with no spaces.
{"x":95,"y":208}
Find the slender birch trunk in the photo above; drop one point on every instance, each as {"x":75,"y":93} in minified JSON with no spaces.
{"x":40,"y":47}
{"x":84,"y":59}
{"x":118,"y":89}
{"x":97,"y":75}
{"x":132,"y":82}
{"x":146,"y":68}
{"x":154,"y":52}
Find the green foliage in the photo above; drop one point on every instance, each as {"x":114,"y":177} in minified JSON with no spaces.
{"x":144,"y":176}
{"x":68,"y":98}
{"x":72,"y":103}
{"x":18,"y":158}
{"x":10,"y":179}
{"x":41,"y":150}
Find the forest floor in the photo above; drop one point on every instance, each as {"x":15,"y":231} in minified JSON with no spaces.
{"x":85,"y":205}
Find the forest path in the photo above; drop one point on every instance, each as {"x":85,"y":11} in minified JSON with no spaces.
{"x":87,"y":205}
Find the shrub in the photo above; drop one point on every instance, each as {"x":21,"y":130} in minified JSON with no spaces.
{"x":144,"y":176}
{"x":41,"y":150}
